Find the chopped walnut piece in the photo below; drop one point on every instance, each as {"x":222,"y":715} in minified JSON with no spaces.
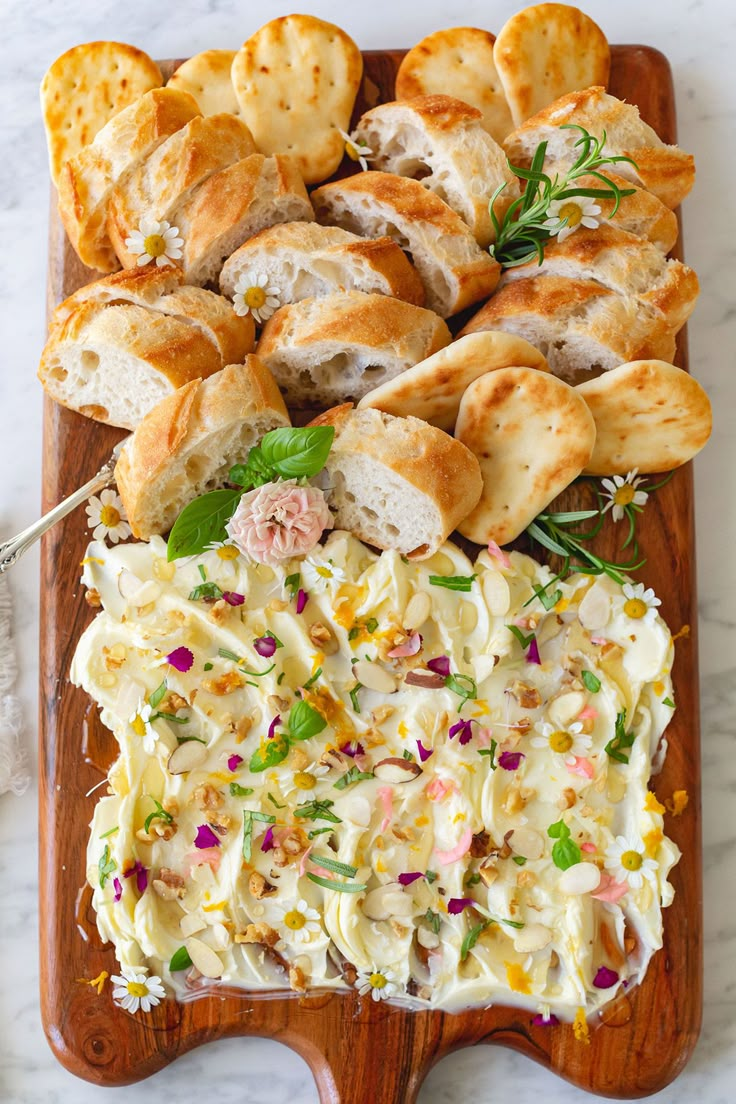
{"x":513,"y":801}
{"x":290,"y":848}
{"x":225,"y":684}
{"x":527,"y":696}
{"x":407,"y":834}
{"x":207,"y":796}
{"x":522,"y":726}
{"x":173,"y":701}
{"x":297,"y":979}
{"x":221,"y":822}
{"x":554,"y":960}
{"x":298,"y":758}
{"x":220,"y":611}
{"x":372,"y":738}
{"x":278,"y":704}
{"x":333,"y":758}
{"x":92,"y":598}
{"x":258,"y":933}
{"x":242,"y":728}
{"x":567,"y":798}
{"x":323,"y":638}
{"x":277,"y":605}
{"x":526,"y":878}
{"x":259,"y":887}
{"x":480,"y":845}
{"x":381,"y":714}
{"x":163,"y":830}
{"x":488,"y":872}
{"x":169,"y":885}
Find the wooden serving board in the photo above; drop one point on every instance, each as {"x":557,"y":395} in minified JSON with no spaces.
{"x":357,"y":1050}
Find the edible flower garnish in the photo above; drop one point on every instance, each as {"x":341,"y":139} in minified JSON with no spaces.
{"x":140,"y":722}
{"x":117,"y":885}
{"x":564,"y":216}
{"x":456,"y":905}
{"x":234,"y":761}
{"x":254,"y":295}
{"x":267,"y":841}
{"x":542,"y":1020}
{"x":278,"y":521}
{"x":318,"y":573}
{"x":206,"y":837}
{"x":301,"y":600}
{"x":560,"y":533}
{"x":410,"y":877}
{"x":457,"y":852}
{"x":233,"y":598}
{"x":181,"y":659}
{"x":410,"y":648}
{"x":107,"y":518}
{"x":440,"y":665}
{"x":627,"y":861}
{"x":300,"y":920}
{"x":565,"y":744}
{"x":141,"y":875}
{"x":640,"y":604}
{"x":134,"y":990}
{"x":424,"y":753}
{"x":464,"y":729}
{"x":532,"y":656}
{"x":155,"y":241}
{"x":379,"y":983}
{"x":498,"y":554}
{"x":605,"y":978}
{"x":623,"y":495}
{"x":510,"y":760}
{"x":266,"y":645}
{"x":357,"y":149}
{"x":97,"y":983}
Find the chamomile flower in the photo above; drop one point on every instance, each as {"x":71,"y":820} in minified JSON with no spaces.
{"x":319,"y":574}
{"x":155,"y":241}
{"x":133,"y":990}
{"x":357,"y":150}
{"x":299,"y":919}
{"x":140,"y":722}
{"x":221,"y":560}
{"x":381,"y":984}
{"x":107,"y":515}
{"x":254,"y":295}
{"x":564,"y":216}
{"x":302,"y":781}
{"x":640,"y":604}
{"x":622,"y":493}
{"x":566,"y":744}
{"x":627,"y":862}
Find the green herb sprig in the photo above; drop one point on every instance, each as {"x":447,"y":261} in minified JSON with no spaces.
{"x":526,"y":228}
{"x":560,"y":533}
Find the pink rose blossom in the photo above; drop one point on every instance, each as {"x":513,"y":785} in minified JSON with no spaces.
{"x":279,"y":520}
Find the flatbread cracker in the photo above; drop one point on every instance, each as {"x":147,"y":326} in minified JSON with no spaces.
{"x":532,"y":434}
{"x":432,"y":389}
{"x":84,"y":88}
{"x":296,"y":80}
{"x":545,"y":51}
{"x":458,"y":62}
{"x":649,"y":415}
{"x":206,"y":76}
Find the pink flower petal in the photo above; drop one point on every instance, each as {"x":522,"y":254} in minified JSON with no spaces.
{"x":267,"y":841}
{"x":212,"y":856}
{"x":440,"y":666}
{"x":301,"y":600}
{"x":273,"y":726}
{"x":456,"y":905}
{"x":279,"y":520}
{"x":438,"y":789}
{"x":386,"y":795}
{"x":206,"y":838}
{"x":510,"y":760}
{"x":265,"y":646}
{"x":303,"y":861}
{"x":609,"y":889}
{"x":588,"y":714}
{"x":118,"y":887}
{"x":498,"y":554}
{"x":457,"y":852}
{"x":483,"y":736}
{"x":424,"y":753}
{"x":581,"y":766}
{"x":181,"y":658}
{"x":532,"y":656}
{"x":589,"y":847}
{"x":234,"y":762}
{"x":605,"y":978}
{"x":408,"y":878}
{"x":352,"y":748}
{"x":540,"y":1021}
{"x":464,"y":729}
{"x":410,"y":648}
{"x":141,"y":875}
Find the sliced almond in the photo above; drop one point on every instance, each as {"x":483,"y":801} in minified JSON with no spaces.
{"x":204,"y":958}
{"x":565,"y":708}
{"x":397,"y":770}
{"x":374,"y":677}
{"x":584,"y":877}
{"x":191,"y":924}
{"x":532,"y":937}
{"x":427,"y":938}
{"x":186,"y":757}
{"x":428,"y":679}
{"x":496,"y":593}
{"x":527,"y":842}
{"x":128,"y":584}
{"x":387,"y":901}
{"x":595,"y":609}
{"x":417,"y":611}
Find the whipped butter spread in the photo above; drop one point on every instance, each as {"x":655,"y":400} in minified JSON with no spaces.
{"x":470,"y":825}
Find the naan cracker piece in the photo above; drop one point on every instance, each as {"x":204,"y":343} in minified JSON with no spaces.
{"x":206,"y":76}
{"x":84,"y":88}
{"x":296,"y":80}
{"x":533,"y":435}
{"x":458,"y":62}
{"x":546,"y":50}
{"x":432,"y":389}
{"x":649,"y":415}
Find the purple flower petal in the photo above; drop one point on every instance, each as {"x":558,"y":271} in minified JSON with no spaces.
{"x":181,"y":658}
{"x":206,"y":837}
{"x":424,"y":753}
{"x":532,"y":656}
{"x":301,"y":600}
{"x":511,"y":760}
{"x":234,"y":762}
{"x":141,"y":876}
{"x":265,"y":646}
{"x":465,"y":728}
{"x":605,"y":978}
{"x":456,"y":904}
{"x":440,"y":665}
{"x":273,"y":726}
{"x":540,"y":1021}
{"x":267,"y":841}
{"x":233,"y":598}
{"x":352,"y":748}
{"x":118,"y":887}
{"x":407,"y":879}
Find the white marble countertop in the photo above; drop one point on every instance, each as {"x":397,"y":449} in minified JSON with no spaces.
{"x":699,"y":37}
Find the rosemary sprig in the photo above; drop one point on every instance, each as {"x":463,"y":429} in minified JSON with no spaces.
{"x":560,"y":533}
{"x":526,"y":228}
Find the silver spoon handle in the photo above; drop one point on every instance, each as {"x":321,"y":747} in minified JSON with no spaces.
{"x":12,"y":550}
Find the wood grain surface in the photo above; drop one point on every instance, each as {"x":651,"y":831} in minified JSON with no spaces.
{"x":357,"y":1050}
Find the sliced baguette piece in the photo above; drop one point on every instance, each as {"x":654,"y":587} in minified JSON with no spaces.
{"x":232,"y":206}
{"x":163,"y":290}
{"x":169,"y":177}
{"x":324,"y":351}
{"x":441,"y":142}
{"x":397,"y":483}
{"x":667,"y":171}
{"x":642,"y":213}
{"x":621,"y":262}
{"x":532,"y":435}
{"x":304,"y":259}
{"x":186,"y":445}
{"x":87,"y":180}
{"x":581,"y":327}
{"x":114,"y":363}
{"x":432,"y":389}
{"x":649,"y":415}
{"x":458,"y":62}
{"x":455,"y":271}
{"x":206,"y":76}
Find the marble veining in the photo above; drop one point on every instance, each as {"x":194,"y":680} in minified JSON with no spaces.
{"x":699,"y":38}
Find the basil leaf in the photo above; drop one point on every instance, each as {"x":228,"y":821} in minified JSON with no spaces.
{"x":106,"y":866}
{"x":236,"y":790}
{"x":200,"y":523}
{"x":180,"y":960}
{"x":565,"y":853}
{"x":547,"y":600}
{"x":248,"y":817}
{"x":524,"y":640}
{"x":317,"y":810}
{"x":472,"y":938}
{"x":353,"y":775}
{"x":158,"y":695}
{"x":318,"y":832}
{"x":274,"y":752}
{"x":205,"y":591}
{"x":453,"y":582}
{"x":434,"y":920}
{"x":558,"y":830}
{"x":298,"y":452}
{"x":591,"y":682}
{"x":305,"y":721}
{"x":462,"y":685}
{"x":491,"y":753}
{"x":622,"y":740}
{"x":669,"y":702}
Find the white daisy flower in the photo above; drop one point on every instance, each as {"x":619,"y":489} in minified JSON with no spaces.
{"x":566,"y":744}
{"x":134,"y":990}
{"x":302,"y":781}
{"x":107,"y":515}
{"x":622,"y":492}
{"x":140,"y":722}
{"x":254,"y":295}
{"x":220,"y":560}
{"x":319,"y":574}
{"x":564,"y":216}
{"x":627,"y":861}
{"x":301,"y":921}
{"x":155,"y":241}
{"x":381,"y":984}
{"x":640,"y":604}
{"x":357,"y":150}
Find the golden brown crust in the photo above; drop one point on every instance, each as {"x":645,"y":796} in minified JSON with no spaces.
{"x":386,"y":257}
{"x":407,"y":197}
{"x":438,"y":112}
{"x":642,"y":213}
{"x":666,"y":171}
{"x":544,"y":296}
{"x":232,"y":334}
